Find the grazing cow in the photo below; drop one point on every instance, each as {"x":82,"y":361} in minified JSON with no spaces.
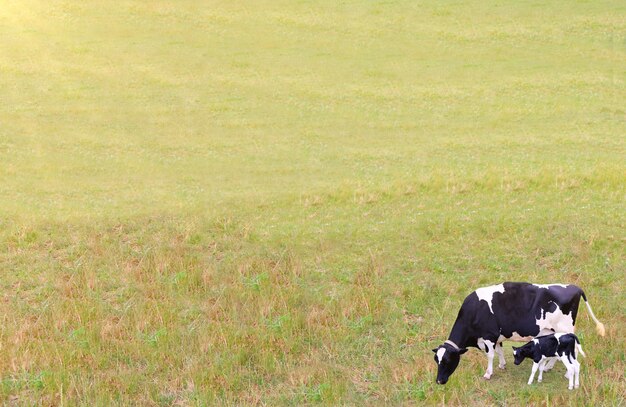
{"x":551,"y":347}
{"x":511,"y":311}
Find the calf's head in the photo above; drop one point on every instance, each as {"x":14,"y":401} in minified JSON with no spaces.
{"x":447,"y":358}
{"x":523,"y":352}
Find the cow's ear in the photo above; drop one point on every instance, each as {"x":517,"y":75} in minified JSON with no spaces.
{"x":435,"y":350}
{"x":514,"y":348}
{"x":462,"y":351}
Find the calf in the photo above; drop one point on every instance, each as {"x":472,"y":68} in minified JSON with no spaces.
{"x":544,"y":348}
{"x":509,"y":311}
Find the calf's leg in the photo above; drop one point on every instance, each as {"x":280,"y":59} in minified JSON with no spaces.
{"x":570,"y":371}
{"x":550,"y":364}
{"x":541,"y":368}
{"x":532,"y":372}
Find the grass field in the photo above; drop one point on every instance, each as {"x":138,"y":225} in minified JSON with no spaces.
{"x":286,"y":202}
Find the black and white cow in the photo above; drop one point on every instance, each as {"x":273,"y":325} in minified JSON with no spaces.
{"x":509,"y":311}
{"x":552,"y":347}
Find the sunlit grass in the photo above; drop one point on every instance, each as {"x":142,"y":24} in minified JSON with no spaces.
{"x":286,"y":202}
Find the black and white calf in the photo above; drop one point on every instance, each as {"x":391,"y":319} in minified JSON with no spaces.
{"x":509,"y":311}
{"x":551,"y":347}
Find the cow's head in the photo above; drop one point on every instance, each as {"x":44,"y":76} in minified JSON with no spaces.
{"x":447,"y":358}
{"x":523,"y":352}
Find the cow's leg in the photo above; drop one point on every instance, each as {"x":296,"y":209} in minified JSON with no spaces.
{"x":500,"y":352}
{"x":570,"y":371}
{"x":532,"y":372}
{"x":489,"y":349}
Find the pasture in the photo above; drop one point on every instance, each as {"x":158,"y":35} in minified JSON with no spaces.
{"x":286,"y":202}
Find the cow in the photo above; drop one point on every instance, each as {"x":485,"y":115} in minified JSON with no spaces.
{"x":509,"y":311}
{"x":552,"y":347}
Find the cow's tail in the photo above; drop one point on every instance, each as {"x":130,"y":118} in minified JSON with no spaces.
{"x":580,"y":348}
{"x":599,"y":325}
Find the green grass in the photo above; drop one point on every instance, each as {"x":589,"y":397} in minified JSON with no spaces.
{"x":286,"y":202}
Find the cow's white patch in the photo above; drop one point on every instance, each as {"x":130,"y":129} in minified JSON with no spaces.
{"x":515,"y":337}
{"x":440,"y":353}
{"x":486,"y":293}
{"x":550,"y":285}
{"x":555,"y":322}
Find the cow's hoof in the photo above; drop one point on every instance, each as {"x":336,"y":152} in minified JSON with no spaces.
{"x":502,"y":367}
{"x":577,"y":386}
{"x":486,"y":376}
{"x":570,"y":388}
{"x":539,"y":380}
